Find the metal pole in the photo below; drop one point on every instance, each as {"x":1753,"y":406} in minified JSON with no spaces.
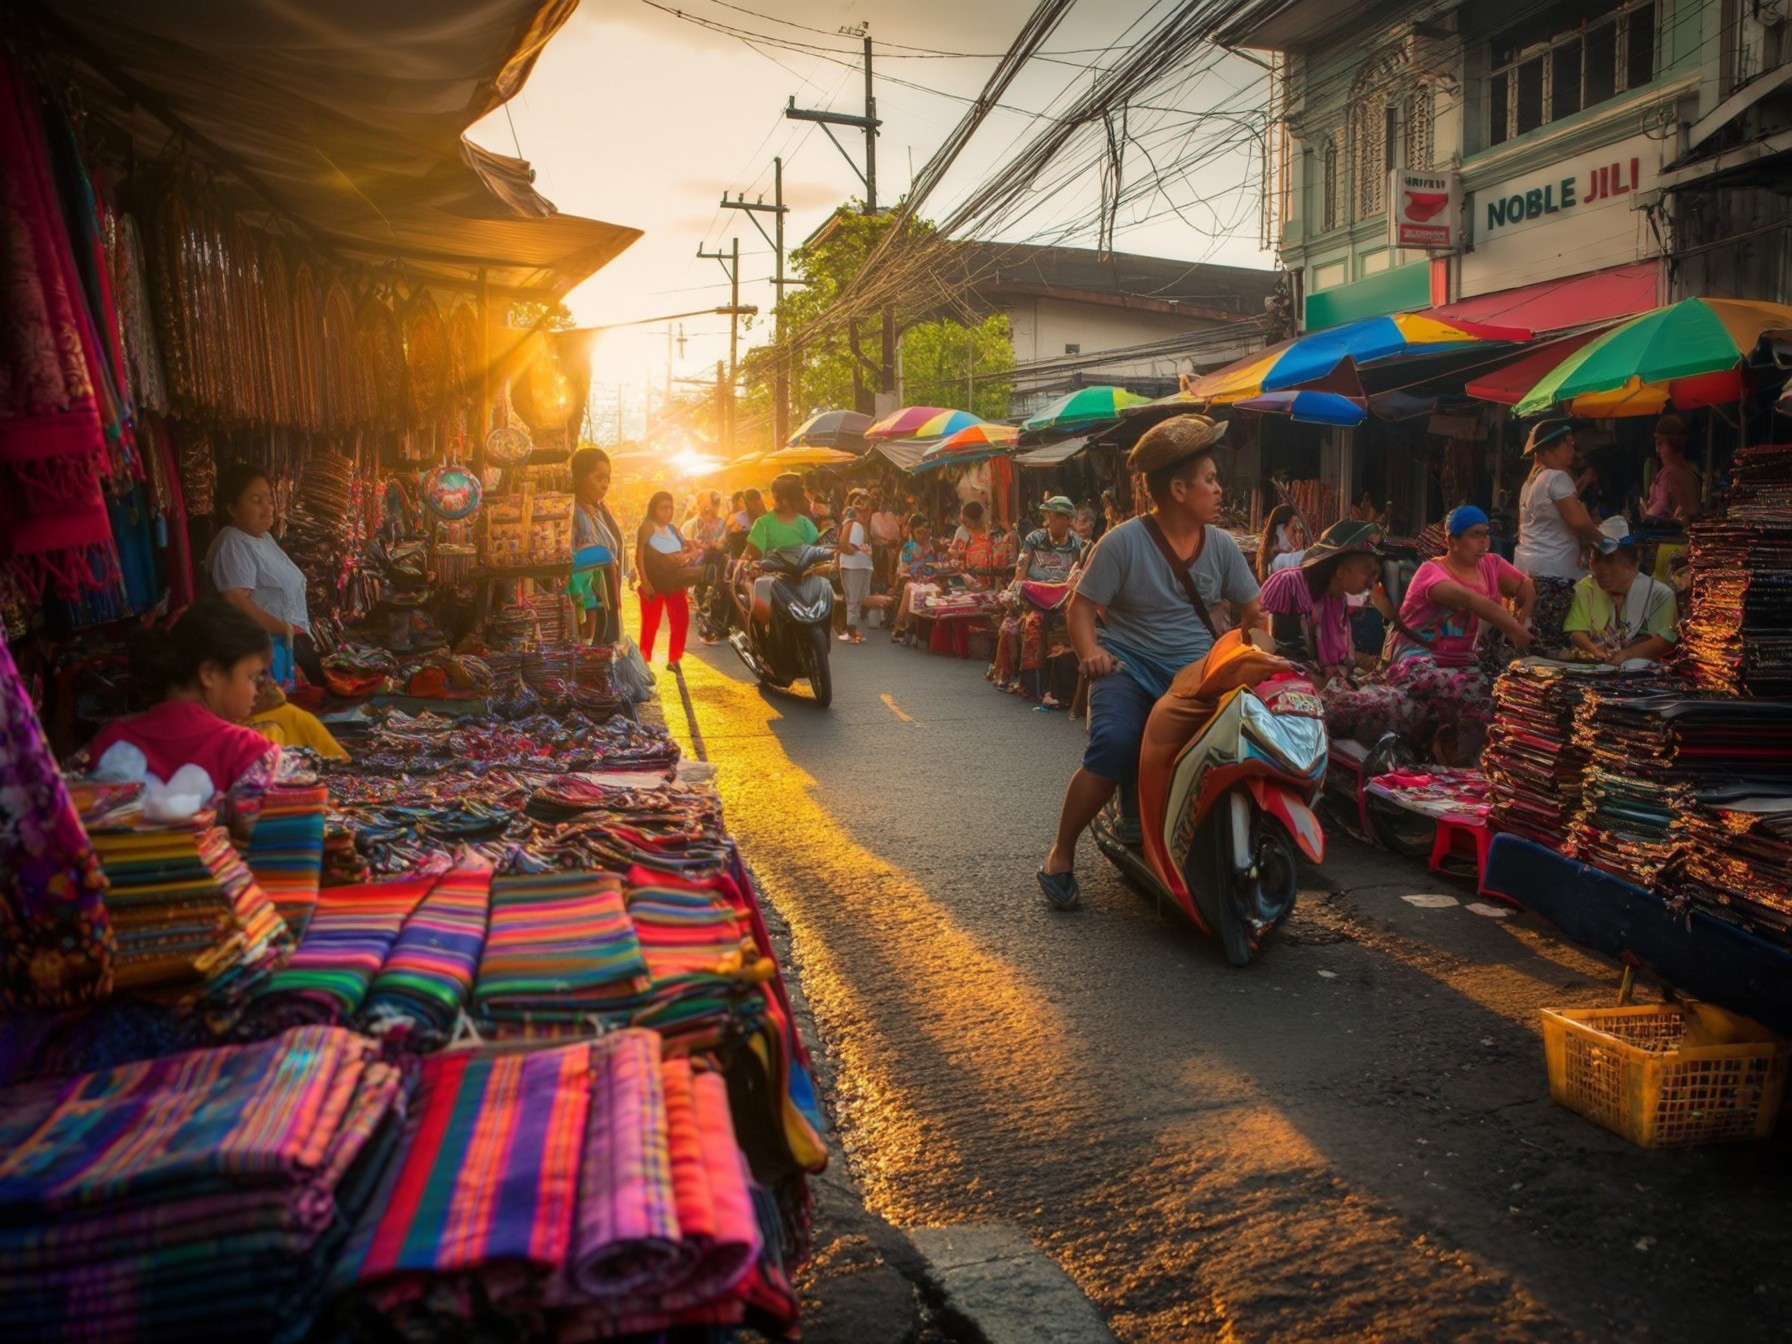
{"x":780,"y":357}
{"x":733,"y":335}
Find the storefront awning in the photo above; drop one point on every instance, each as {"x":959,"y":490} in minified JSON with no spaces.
{"x":904,"y":453}
{"x":347,"y":118}
{"x":1054,"y":454}
{"x":1556,"y":305}
{"x":1509,"y":383}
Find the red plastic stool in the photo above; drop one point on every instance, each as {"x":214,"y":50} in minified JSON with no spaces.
{"x":1350,"y":776}
{"x":1450,"y":830}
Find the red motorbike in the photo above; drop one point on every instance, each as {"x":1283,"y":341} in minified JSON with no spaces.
{"x":1226,"y":817}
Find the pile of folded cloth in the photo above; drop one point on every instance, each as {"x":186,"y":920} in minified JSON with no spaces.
{"x":580,"y":1192}
{"x":203,"y":1195}
{"x":427,"y":980}
{"x":560,"y":949}
{"x":193,"y":925}
{"x":1738,"y":635}
{"x":1648,"y":757}
{"x":1533,"y":765}
{"x":286,"y":849}
{"x":706,"y":973}
{"x":1738,"y":863}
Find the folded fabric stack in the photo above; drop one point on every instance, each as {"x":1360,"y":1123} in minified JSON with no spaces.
{"x":346,"y":944}
{"x":202,"y":1195}
{"x":1739,"y":860}
{"x":193,"y":925}
{"x":707,"y":975}
{"x":560,"y":949}
{"x":1533,"y":765}
{"x":1648,"y":757}
{"x":1738,"y":637}
{"x":427,"y":981}
{"x":587,"y":1191}
{"x":286,"y":850}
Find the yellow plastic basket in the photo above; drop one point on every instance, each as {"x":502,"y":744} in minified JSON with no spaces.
{"x":1666,"y":1076}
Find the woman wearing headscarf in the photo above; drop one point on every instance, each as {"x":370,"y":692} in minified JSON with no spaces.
{"x":1553,"y":528}
{"x":1433,"y":690}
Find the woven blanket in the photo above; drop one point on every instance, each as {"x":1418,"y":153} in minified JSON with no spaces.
{"x":561,"y":947}
{"x":427,"y":980}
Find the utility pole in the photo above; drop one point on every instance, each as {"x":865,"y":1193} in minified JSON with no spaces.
{"x":730,"y":261}
{"x":780,"y":367}
{"x":868,"y":124}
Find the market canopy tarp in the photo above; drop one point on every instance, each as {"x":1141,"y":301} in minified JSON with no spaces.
{"x":348,"y":118}
{"x":903,"y":453}
{"x":1054,"y":454}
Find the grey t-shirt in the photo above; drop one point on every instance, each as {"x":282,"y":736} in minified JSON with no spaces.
{"x":1150,"y":625}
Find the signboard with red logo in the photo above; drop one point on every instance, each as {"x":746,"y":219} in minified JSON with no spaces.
{"x":1424,"y":209}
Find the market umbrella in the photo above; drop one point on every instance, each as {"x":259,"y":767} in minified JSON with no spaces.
{"x":920,"y":422}
{"x":1371,"y":341}
{"x":973,"y":443}
{"x":1311,"y":408}
{"x":804,"y":459}
{"x":1688,"y":353}
{"x":1085,"y":406}
{"x":831,"y":429}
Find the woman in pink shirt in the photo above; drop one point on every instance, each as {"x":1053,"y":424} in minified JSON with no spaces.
{"x":1434,"y":692}
{"x":204,"y":672}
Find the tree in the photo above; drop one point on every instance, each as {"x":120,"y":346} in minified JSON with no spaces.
{"x":949,"y":364}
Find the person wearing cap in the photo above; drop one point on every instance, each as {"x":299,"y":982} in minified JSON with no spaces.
{"x":1619,"y":613}
{"x":1432,"y":690}
{"x":1048,"y":556}
{"x":1308,"y":607}
{"x":1674,"y":493}
{"x":1050,"y":553}
{"x":1134,"y":625}
{"x":1553,"y":527}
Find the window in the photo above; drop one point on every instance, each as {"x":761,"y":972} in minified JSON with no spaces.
{"x":1369,"y":152}
{"x":1573,"y":55}
{"x":1073,"y":349}
{"x":1416,"y":146}
{"x":1329,"y":205}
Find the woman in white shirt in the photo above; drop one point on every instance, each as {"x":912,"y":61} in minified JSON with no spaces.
{"x":663,"y":564}
{"x":252,"y":573}
{"x":854,"y":553}
{"x":1553,"y":527}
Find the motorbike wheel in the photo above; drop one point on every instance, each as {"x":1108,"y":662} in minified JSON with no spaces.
{"x":1244,"y":909}
{"x":1407,"y":834}
{"x":821,"y":679}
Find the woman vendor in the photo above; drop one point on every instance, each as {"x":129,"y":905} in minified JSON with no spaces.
{"x":1553,"y":527}
{"x":594,"y":525}
{"x":1048,"y":559}
{"x":1433,"y":691}
{"x":203,"y":673}
{"x":1309,"y":606}
{"x":918,"y":556}
{"x":1674,"y":493}
{"x":972,"y":545}
{"x":252,"y":573}
{"x":1619,"y":613}
{"x":1284,"y":536}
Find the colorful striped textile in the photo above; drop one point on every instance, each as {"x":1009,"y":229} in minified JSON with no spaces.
{"x":706,"y":972}
{"x":286,"y":849}
{"x":346,"y":943}
{"x":427,"y":981}
{"x":483,"y":1191}
{"x":560,"y":948}
{"x":201,"y":1195}
{"x":709,"y":1182}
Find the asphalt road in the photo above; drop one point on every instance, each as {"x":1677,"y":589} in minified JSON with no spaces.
{"x":1352,"y":1139}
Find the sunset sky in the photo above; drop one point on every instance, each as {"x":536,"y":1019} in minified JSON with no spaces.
{"x":640,"y":117}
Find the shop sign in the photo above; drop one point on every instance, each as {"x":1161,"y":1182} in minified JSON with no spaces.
{"x":1564,"y":220}
{"x":1423,"y":209}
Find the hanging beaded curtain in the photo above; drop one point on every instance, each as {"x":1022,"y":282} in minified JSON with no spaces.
{"x":249,"y":346}
{"x":426,"y":361}
{"x":343,"y":367}
{"x":382,"y":346}
{"x":308,"y":339}
{"x":464,"y":369}
{"x":278,"y":336}
{"x":172,"y":282}
{"x":212,"y":334}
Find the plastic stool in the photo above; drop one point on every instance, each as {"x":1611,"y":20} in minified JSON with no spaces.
{"x":1350,"y":772}
{"x":1474,"y":830}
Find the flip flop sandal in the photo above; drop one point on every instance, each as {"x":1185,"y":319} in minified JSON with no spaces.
{"x":1060,"y":889}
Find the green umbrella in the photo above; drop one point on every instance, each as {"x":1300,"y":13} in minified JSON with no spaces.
{"x":1636,"y":365}
{"x":1085,"y":406}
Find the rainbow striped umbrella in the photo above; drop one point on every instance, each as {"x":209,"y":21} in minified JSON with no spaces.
{"x":920,"y":422}
{"x":973,"y":443}
{"x":1371,"y":341}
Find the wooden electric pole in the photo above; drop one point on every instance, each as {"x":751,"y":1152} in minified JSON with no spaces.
{"x":780,"y":364}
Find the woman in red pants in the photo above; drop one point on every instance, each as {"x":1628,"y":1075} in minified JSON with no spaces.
{"x":665,"y":562}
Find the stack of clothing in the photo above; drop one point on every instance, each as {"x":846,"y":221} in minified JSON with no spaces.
{"x":706,"y":972}
{"x":1739,"y":860}
{"x":1649,"y":756}
{"x":1738,"y":637}
{"x":560,"y":950}
{"x":286,"y":849}
{"x":575,"y":1193}
{"x":199,"y":1196}
{"x":1533,"y":765}
{"x":346,"y":944}
{"x":427,"y":980}
{"x":193,"y":925}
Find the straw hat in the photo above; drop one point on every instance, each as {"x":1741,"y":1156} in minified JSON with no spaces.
{"x":1173,"y":441}
{"x":1546,"y":432}
{"x":1350,"y":537}
{"x":1671,"y":427}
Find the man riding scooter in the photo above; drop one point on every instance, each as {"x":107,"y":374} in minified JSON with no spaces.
{"x":1140,"y":614}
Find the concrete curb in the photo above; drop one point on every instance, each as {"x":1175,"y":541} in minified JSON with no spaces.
{"x":993,"y":1286}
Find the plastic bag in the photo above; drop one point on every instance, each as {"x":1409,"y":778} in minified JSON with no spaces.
{"x":634,"y":679}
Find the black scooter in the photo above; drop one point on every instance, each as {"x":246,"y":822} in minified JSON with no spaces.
{"x":789,"y":626}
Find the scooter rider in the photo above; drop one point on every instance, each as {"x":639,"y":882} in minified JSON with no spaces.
{"x":1134,"y":622}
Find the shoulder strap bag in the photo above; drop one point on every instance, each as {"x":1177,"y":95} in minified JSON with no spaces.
{"x":1180,"y":570}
